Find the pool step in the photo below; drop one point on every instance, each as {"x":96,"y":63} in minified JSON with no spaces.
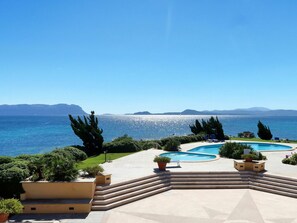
{"x":107,"y":197}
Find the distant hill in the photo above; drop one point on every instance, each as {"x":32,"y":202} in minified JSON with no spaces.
{"x":142,"y":113}
{"x":241,"y":111}
{"x":41,"y":110}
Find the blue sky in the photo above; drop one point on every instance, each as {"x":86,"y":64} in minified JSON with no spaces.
{"x":156,"y":55}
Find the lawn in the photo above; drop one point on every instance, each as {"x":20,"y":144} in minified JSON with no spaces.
{"x":100,"y":159}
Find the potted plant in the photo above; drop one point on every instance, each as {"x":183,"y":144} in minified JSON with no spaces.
{"x":162,"y":161}
{"x":249,"y":157}
{"x":9,"y":206}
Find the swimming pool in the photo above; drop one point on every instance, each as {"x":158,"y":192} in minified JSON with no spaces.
{"x":183,"y":156}
{"x":262,"y":147}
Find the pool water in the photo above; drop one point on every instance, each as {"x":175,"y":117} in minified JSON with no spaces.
{"x":183,"y":156}
{"x":262,"y":147}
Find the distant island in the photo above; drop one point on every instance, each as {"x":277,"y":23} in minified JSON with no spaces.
{"x":40,"y":110}
{"x":260,"y":111}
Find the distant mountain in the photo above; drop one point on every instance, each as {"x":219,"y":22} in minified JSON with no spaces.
{"x":41,"y":110}
{"x":241,"y":111}
{"x":142,"y":113}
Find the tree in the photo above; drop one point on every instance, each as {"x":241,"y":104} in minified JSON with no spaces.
{"x":264,"y":131}
{"x":211,"y":126}
{"x":196,"y":128}
{"x":88,"y":131}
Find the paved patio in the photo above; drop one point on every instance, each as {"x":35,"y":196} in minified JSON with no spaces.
{"x":191,"y":205}
{"x":141,"y":164}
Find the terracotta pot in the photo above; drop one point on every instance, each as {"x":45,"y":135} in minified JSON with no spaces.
{"x":3,"y":217}
{"x":162,"y":165}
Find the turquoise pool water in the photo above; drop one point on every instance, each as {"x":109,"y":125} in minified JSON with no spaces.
{"x":182,"y":156}
{"x":262,"y":147}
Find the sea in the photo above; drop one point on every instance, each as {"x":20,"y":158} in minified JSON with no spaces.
{"x":41,"y":134}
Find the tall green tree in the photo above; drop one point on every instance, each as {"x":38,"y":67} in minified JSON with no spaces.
{"x":264,"y":131}
{"x":211,"y":126}
{"x":196,"y":128}
{"x":88,"y":131}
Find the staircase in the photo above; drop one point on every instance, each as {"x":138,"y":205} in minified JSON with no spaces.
{"x":280,"y":185}
{"x":107,"y":197}
{"x":210,"y":180}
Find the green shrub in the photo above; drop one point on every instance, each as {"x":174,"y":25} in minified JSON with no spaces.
{"x":235,"y":151}
{"x":17,"y":163}
{"x":122,"y":144}
{"x":172,"y":145}
{"x":78,"y":154}
{"x":10,"y":206}
{"x":63,"y":153}
{"x":10,"y":181}
{"x":94,"y":170}
{"x":145,"y":145}
{"x":286,"y":161}
{"x":57,"y":167}
{"x":5,"y":159}
{"x":27,"y":157}
{"x":163,"y":159}
{"x":292,"y":160}
{"x":182,"y":139}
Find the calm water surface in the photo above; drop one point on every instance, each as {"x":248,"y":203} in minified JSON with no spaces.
{"x":39,"y":134}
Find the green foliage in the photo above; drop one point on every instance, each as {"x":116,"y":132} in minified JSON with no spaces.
{"x":292,"y":160}
{"x":145,"y":145}
{"x":5,"y":159}
{"x":88,"y":131}
{"x":286,"y":161}
{"x":122,"y":144}
{"x":264,"y":131}
{"x":162,"y":159}
{"x":235,"y":151}
{"x":77,"y":154}
{"x":249,"y":156}
{"x":246,"y":134}
{"x":11,"y":173}
{"x":182,"y":139}
{"x":196,"y":128}
{"x":172,"y":145}
{"x":211,"y":126}
{"x":10,"y":181}
{"x":93,"y":170}
{"x":57,"y":167}
{"x":10,"y":206}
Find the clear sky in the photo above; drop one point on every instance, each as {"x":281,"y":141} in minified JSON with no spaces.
{"x":157,"y":55}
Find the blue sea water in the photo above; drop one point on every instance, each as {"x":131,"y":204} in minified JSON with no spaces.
{"x":40,"y":134}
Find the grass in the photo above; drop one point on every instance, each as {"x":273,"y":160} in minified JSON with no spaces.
{"x":95,"y":160}
{"x":258,"y":140}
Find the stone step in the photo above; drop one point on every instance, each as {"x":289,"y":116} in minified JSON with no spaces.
{"x":129,"y":200}
{"x":132,"y":183}
{"x":209,"y":175}
{"x":273,"y":191}
{"x":129,"y":195}
{"x":275,"y":179}
{"x":173,"y":179}
{"x":210,"y":183}
{"x":101,"y":195}
{"x":275,"y":183}
{"x":269,"y":186}
{"x":291,"y":179}
{"x":244,"y":186}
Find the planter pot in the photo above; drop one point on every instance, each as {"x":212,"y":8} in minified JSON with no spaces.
{"x":162,"y":166}
{"x":4,"y":217}
{"x":248,"y":159}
